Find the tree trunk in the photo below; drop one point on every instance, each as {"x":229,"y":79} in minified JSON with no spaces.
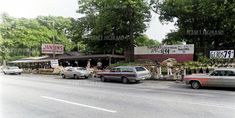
{"x":132,"y":50}
{"x":4,"y":63}
{"x":129,"y":52}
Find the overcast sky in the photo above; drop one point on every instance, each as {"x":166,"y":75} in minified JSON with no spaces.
{"x":67,"y":8}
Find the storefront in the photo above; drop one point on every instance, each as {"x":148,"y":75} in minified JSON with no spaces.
{"x":68,"y":59}
{"x":82,"y":60}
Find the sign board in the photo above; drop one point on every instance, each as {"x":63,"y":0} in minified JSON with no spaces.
{"x":165,"y":49}
{"x":222,"y":54}
{"x":54,"y":63}
{"x":51,"y":48}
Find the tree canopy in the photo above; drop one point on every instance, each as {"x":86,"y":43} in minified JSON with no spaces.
{"x":144,"y":40}
{"x":113,"y":24}
{"x":22,"y":37}
{"x":209,"y":24}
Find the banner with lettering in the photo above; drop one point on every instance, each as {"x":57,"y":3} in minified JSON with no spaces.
{"x":51,"y":48}
{"x":165,"y":49}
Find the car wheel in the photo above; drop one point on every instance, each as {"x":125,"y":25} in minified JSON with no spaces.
{"x":125,"y":80}
{"x":75,"y":76}
{"x":63,"y":76}
{"x":102,"y":79}
{"x":4,"y":73}
{"x":195,"y":85}
{"x":19,"y":73}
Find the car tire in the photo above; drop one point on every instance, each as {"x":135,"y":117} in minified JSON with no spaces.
{"x":195,"y":85}
{"x":19,"y":73}
{"x":63,"y":76}
{"x":102,"y":79}
{"x":75,"y":76}
{"x":125,"y":80}
{"x":4,"y":73}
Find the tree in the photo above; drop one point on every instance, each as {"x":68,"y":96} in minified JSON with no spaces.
{"x":23,"y":37}
{"x":62,"y":27}
{"x":144,"y":40}
{"x":173,"y":38}
{"x":113,"y":24}
{"x":208,"y":24}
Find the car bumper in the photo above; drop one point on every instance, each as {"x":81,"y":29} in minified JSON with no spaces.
{"x":140,"y":78}
{"x":84,"y":76}
{"x":12,"y":72}
{"x":143,"y":77}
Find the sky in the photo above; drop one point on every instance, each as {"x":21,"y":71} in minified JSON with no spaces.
{"x":67,"y":8}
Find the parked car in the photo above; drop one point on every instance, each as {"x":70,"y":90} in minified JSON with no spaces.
{"x":75,"y":72}
{"x":12,"y":70}
{"x":221,"y":77}
{"x":125,"y":74}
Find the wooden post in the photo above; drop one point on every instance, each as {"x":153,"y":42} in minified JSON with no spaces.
{"x":110,"y":60}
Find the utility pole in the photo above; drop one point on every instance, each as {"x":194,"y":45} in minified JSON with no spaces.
{"x":53,"y":40}
{"x":53,"y":25}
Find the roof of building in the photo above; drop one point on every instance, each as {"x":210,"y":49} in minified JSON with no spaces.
{"x":68,"y":56}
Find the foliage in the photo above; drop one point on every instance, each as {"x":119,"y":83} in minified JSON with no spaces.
{"x":23,"y":37}
{"x":125,"y":64}
{"x":145,"y":41}
{"x":208,"y":24}
{"x":110,"y":25}
{"x":204,"y":60}
{"x":173,"y":38}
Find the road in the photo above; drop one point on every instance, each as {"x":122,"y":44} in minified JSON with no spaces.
{"x":49,"y":96}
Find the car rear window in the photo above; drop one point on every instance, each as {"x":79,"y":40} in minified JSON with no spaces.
{"x":140,"y":69}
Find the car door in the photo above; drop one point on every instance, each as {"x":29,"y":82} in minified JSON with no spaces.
{"x":216,"y":78}
{"x":229,"y":79}
{"x":69,"y":72}
{"x":7,"y":70}
{"x":128,"y":72}
{"x":117,"y":74}
{"x":110,"y":75}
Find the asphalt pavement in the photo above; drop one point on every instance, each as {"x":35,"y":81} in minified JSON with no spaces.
{"x":49,"y":96}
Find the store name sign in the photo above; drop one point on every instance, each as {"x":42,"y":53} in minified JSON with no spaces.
{"x":51,"y":48}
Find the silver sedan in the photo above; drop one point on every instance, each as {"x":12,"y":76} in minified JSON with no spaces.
{"x":75,"y":72}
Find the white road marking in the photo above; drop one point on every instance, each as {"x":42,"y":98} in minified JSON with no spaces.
{"x":79,"y":104}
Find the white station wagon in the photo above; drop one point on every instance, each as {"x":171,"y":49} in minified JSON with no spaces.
{"x":220,"y":77}
{"x":125,"y":74}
